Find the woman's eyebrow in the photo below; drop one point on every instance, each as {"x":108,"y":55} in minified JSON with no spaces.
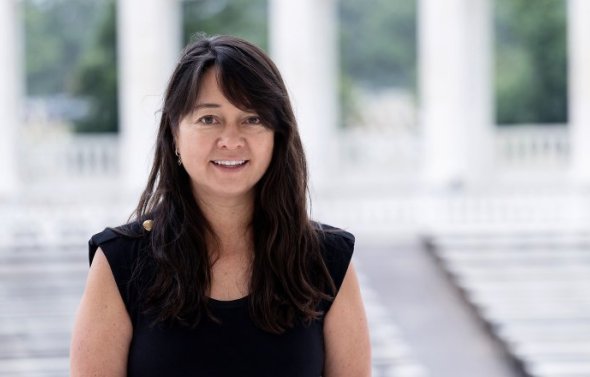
{"x":206,"y":105}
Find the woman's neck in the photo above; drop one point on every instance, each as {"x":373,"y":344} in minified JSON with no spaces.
{"x":231,"y":221}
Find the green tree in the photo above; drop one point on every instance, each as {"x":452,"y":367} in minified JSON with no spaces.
{"x":242,"y":18}
{"x":56,"y":33}
{"x":377,"y":49}
{"x":378,"y":42}
{"x":71,"y":47}
{"x":96,"y":77}
{"x":531,"y":65}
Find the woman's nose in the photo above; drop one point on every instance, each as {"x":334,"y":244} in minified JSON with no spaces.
{"x":230,"y":137}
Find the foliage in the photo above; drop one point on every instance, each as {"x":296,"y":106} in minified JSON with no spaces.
{"x":242,"y":18}
{"x":71,"y":48}
{"x":531,"y":61}
{"x":378,"y":42}
{"x":96,"y":77}
{"x":56,"y":33}
{"x":377,"y":50}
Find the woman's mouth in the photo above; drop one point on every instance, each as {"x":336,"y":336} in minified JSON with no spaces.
{"x":230,"y":163}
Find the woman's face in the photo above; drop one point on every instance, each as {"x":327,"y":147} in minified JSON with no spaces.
{"x":225,"y":150}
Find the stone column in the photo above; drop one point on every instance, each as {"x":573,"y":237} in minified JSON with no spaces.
{"x":455,"y":85}
{"x":148,"y":46}
{"x":11,"y":91}
{"x":578,"y":17}
{"x":303,"y":44}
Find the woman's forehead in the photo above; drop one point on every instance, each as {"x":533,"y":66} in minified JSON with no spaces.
{"x":209,"y":88}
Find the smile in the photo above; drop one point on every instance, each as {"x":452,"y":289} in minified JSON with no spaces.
{"x":230,"y":163}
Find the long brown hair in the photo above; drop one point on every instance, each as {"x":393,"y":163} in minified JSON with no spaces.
{"x":289,"y":278}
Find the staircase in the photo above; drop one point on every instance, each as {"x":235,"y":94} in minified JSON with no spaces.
{"x":530,"y":290}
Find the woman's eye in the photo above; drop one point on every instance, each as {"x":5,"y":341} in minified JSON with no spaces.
{"x":253,"y":120}
{"x":207,"y":119}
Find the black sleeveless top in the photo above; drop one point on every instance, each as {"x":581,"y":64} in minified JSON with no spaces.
{"x":232,"y":347}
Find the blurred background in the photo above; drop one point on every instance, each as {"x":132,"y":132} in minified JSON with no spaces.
{"x":452,"y":137}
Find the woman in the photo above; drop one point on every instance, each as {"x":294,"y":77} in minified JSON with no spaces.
{"x":223,"y":273}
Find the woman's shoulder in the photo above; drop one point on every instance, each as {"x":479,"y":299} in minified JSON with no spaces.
{"x":337,"y":246}
{"x":335,"y":242}
{"x":331,"y":234}
{"x":122,"y":241}
{"x":124,"y":247}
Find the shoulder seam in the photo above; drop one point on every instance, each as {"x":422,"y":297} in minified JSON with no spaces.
{"x":106,"y":235}
{"x":98,"y":239}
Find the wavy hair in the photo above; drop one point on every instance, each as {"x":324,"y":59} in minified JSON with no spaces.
{"x":289,"y":277}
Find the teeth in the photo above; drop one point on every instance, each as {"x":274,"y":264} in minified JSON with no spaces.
{"x":230,"y":162}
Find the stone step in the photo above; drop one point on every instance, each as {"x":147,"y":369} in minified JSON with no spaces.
{"x":532,"y":290}
{"x":35,"y":367}
{"x":544,"y":331}
{"x":543,"y":368}
{"x":523,"y":242}
{"x":391,"y":355}
{"x":23,"y":345}
{"x":500,"y":257}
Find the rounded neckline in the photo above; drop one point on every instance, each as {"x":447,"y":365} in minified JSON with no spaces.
{"x":239,"y":302}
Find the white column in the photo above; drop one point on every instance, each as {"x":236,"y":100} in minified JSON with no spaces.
{"x":304,"y":46}
{"x":578,"y":18}
{"x":455,"y":75}
{"x":11,"y":91}
{"x":148,"y":48}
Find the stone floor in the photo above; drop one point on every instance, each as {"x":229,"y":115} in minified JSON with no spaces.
{"x":532,"y":291}
{"x":419,"y":327}
{"x":39,"y":292}
{"x":445,"y":338}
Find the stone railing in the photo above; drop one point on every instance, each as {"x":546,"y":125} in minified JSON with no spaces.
{"x":379,"y":151}
{"x":70,"y":157}
{"x":516,"y":148}
{"x":532,"y":146}
{"x":97,"y":156}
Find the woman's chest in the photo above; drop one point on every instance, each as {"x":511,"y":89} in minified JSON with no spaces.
{"x":230,"y":279}
{"x":234,"y":347}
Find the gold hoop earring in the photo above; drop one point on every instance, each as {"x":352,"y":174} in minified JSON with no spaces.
{"x":179,"y":161}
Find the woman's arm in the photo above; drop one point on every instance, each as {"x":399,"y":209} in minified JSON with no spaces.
{"x":102,"y":330}
{"x":346,"y":333}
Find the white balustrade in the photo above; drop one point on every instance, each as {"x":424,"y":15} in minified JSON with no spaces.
{"x":82,"y":157}
{"x":379,"y":151}
{"x":516,"y":148}
{"x":532,"y":147}
{"x":74,"y":157}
